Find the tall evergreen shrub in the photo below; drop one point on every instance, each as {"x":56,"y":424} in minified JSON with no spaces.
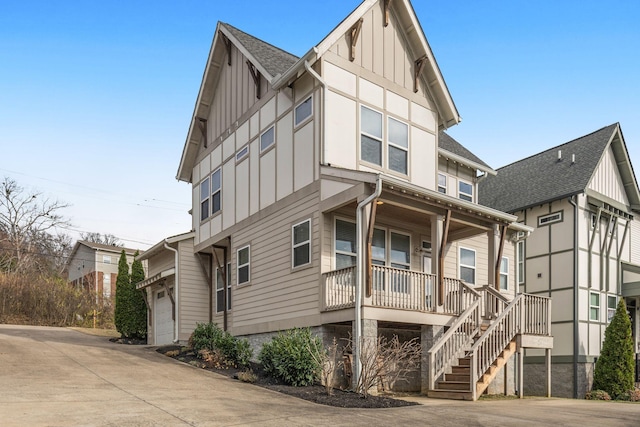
{"x":615,"y":366}
{"x":122,"y":294}
{"x":137,"y":308}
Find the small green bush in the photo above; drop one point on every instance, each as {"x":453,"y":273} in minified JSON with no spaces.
{"x":209,"y":337}
{"x":287,"y":357}
{"x":597,"y":395}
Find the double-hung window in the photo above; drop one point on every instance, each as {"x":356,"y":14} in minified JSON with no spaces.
{"x":612,"y":305}
{"x":400,"y":257}
{"x":504,"y":273}
{"x":442,"y":183}
{"x":594,"y":306}
{"x":398,"y":136}
{"x":465,"y":191}
{"x":216,"y":190}
{"x":301,"y":242}
{"x":521,"y":255}
{"x":371,"y":136}
{"x":468,"y":266}
{"x":345,"y":244}
{"x":243,"y":263}
{"x":204,"y":199}
{"x":220,"y":289}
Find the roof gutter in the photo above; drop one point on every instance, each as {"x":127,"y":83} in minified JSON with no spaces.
{"x":280,"y":80}
{"x":475,"y":165}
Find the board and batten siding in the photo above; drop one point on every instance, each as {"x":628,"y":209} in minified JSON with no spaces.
{"x":606,"y":179}
{"x":634,"y":241}
{"x":277,"y":296}
{"x":193,"y":292}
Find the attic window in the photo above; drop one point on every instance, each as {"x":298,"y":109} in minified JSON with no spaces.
{"x":549,"y":219}
{"x":267,"y":139}
{"x":465,"y":191}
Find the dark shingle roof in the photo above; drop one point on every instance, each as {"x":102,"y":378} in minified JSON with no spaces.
{"x":451,"y":145}
{"x":542,"y":177}
{"x":273,"y":59}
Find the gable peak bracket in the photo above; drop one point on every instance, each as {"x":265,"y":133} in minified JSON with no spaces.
{"x":202,"y":125}
{"x":227,"y":44}
{"x":387,"y":4}
{"x":354,"y":32}
{"x":255,"y":75}
{"x":417,"y":70}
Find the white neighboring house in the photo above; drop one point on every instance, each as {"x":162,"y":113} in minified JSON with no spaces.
{"x":176,"y":291}
{"x":327,"y":196}
{"x":582,"y":199}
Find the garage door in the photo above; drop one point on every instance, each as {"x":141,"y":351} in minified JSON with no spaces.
{"x":163,"y":321}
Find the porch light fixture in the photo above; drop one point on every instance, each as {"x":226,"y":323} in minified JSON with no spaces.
{"x":379,"y":202}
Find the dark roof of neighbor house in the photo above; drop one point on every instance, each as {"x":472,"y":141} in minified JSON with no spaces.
{"x":109,"y":248}
{"x":273,"y":59}
{"x":544,"y":177}
{"x":446,"y":142}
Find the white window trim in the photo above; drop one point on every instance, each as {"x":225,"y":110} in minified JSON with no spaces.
{"x":336,"y":251}
{"x":615,"y":307}
{"x":213,"y":193}
{"x":446,"y":180}
{"x":504,"y":273}
{"x":391,"y":144}
{"x":272,"y":144}
{"x":386,"y":247}
{"x":379,"y":139}
{"x":521,"y":261}
{"x":402,"y":233}
{"x":294,"y":246}
{"x":242,"y":153}
{"x":205,"y":199}
{"x":461,"y":193}
{"x":549,"y":219}
{"x":594,"y":306}
{"x":297,"y":123}
{"x":247,"y":264}
{"x":473,"y":267}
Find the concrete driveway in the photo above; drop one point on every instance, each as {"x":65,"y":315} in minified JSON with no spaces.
{"x":61,"y":377}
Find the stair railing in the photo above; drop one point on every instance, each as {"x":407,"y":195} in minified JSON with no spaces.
{"x":494,"y":302}
{"x":456,"y":340}
{"x":494,"y":340}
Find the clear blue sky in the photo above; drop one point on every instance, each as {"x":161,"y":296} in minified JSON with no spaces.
{"x":96,"y":96}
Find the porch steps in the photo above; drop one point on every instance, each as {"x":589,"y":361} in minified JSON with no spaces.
{"x":456,"y":385}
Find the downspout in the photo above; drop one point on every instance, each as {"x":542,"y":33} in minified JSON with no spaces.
{"x":324,"y":107}
{"x":576,"y":347}
{"x":359,"y":282}
{"x":175,"y":287}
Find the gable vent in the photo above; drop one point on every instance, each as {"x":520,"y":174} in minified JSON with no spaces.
{"x":559,"y":155}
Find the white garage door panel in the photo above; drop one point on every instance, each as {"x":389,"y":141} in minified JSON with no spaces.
{"x":163,"y":321}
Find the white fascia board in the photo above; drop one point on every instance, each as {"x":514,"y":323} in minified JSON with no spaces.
{"x":466,"y":162}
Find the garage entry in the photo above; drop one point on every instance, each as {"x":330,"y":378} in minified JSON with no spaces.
{"x":162,"y":309}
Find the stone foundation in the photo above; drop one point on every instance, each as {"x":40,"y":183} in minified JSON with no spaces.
{"x":562,"y":380}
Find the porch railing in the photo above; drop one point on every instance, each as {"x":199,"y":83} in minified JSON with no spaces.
{"x":339,"y":288}
{"x":458,"y":339}
{"x":458,"y":296}
{"x":403,"y":289}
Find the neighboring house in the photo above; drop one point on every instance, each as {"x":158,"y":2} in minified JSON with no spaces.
{"x":327,"y":196}
{"x":94,"y":266}
{"x":582,"y":199}
{"x":174,"y":311}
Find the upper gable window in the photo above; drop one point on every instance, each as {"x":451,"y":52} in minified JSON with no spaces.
{"x":303,"y":111}
{"x":268,"y":138}
{"x":204,"y":199}
{"x":465,"y":191}
{"x":398,"y":145}
{"x":549,"y":219}
{"x":442,"y":183}
{"x":216,"y":190}
{"x":371,"y":136}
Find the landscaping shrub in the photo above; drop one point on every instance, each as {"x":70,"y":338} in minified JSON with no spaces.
{"x":288,"y":359}
{"x":597,"y":395}
{"x":631,"y":395}
{"x":229,"y":350}
{"x":615,"y":366}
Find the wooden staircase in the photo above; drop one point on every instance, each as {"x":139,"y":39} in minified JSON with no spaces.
{"x":456,"y":385}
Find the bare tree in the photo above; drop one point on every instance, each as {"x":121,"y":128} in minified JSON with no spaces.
{"x":383,"y":362}
{"x":327,"y":359}
{"x":26,"y":218}
{"x":104,"y":239}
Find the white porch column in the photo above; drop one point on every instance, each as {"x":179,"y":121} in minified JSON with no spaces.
{"x":437,"y":230}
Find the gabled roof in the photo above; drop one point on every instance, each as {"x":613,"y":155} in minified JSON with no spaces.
{"x":544,"y":177}
{"x":100,"y":247}
{"x":449,"y":147}
{"x":158,"y":247}
{"x":280,"y":68}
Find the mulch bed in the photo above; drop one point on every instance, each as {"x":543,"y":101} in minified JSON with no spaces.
{"x":313,"y":393}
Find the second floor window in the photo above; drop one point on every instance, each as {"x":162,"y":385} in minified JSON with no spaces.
{"x":267,"y":139}
{"x":594,"y":306}
{"x":465,"y":191}
{"x":612,"y":305}
{"x":521,"y":255}
{"x":345,"y":244}
{"x":371,"y":136}
{"x":216,"y":189}
{"x":442,"y":183}
{"x":204,"y":199}
{"x":398,"y":145}
{"x":243,"y":262}
{"x":301,"y":244}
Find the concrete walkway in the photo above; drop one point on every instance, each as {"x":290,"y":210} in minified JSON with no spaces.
{"x":62,"y":377}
